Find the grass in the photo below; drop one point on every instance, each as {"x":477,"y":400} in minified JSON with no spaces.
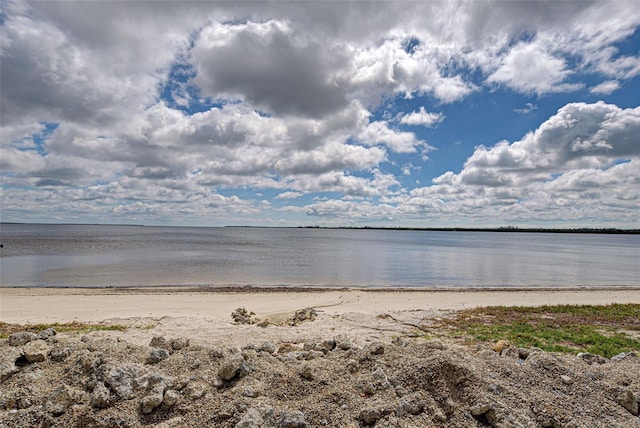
{"x":74,"y":327}
{"x":604,"y":330}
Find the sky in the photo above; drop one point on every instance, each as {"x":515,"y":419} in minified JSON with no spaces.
{"x":391,"y":114}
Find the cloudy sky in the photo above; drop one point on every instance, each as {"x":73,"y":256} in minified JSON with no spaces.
{"x":331,"y":113}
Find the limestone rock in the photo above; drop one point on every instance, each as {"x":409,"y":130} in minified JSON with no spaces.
{"x":233,"y":366}
{"x":376,"y":349}
{"x":369,"y":416}
{"x":302,"y":315}
{"x":62,"y":398}
{"x":179,"y":343}
{"x":170,"y":398}
{"x":342,"y":342}
{"x":629,"y":401}
{"x":501,"y":345}
{"x":45,"y":334}
{"x":100,"y":396}
{"x":152,"y":400}
{"x":260,"y":416}
{"x":159,"y":342}
{"x":267,"y":347}
{"x":36,"y":350}
{"x":8,"y":358}
{"x":293,"y":420}
{"x":592,"y":358}
{"x":59,"y":354}
{"x":195,"y":390}
{"x":156,"y":355}
{"x":242,"y":316}
{"x":21,"y":338}
{"x":127,"y":380}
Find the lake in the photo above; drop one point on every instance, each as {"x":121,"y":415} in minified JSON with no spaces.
{"x":117,"y":256}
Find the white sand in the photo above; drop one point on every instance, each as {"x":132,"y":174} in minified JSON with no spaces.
{"x":204,"y":316}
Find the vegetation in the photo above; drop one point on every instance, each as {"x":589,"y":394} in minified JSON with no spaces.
{"x":603,"y":330}
{"x":74,"y":327}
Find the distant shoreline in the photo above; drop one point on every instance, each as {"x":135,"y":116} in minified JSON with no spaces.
{"x":509,"y":229}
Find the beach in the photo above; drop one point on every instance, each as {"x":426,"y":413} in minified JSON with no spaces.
{"x":203,"y":314}
{"x":304,"y":357}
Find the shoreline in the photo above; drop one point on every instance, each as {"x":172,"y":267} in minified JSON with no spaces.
{"x":34,"y":305}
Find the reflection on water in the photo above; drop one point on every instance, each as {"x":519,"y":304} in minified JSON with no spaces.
{"x":63,"y":255}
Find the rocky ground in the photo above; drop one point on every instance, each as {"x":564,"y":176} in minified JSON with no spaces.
{"x":105,"y":380}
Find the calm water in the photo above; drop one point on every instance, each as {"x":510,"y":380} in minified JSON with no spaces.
{"x":97,"y":256}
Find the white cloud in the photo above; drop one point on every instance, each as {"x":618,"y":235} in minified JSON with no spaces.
{"x":422,"y":117}
{"x":289,"y":195}
{"x":295,"y":89}
{"x":530,"y":69}
{"x":605,"y":88}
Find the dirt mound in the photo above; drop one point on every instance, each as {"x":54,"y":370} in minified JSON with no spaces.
{"x":102,"y":381}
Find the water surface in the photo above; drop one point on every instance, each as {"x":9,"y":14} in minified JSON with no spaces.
{"x":99,"y":256}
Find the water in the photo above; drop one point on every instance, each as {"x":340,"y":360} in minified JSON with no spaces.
{"x":116,"y":256}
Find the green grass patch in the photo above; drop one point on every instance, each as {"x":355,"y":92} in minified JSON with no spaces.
{"x":604,"y":330}
{"x":70,"y":327}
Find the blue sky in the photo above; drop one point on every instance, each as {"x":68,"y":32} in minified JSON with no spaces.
{"x":422,"y":114}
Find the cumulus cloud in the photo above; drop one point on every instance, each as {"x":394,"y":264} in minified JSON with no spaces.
{"x":286,"y":96}
{"x":422,"y":117}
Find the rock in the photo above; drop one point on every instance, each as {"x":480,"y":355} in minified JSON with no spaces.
{"x":62,"y":398}
{"x":566,"y":379}
{"x":21,"y":338}
{"x":152,"y":400}
{"x":156,"y":355}
{"x":179,"y":343}
{"x":326,"y":346}
{"x":242,"y":316}
{"x":629,"y":401}
{"x":376,"y":349}
{"x":170,"y":398}
{"x":8,"y":358}
{"x":127,"y":380}
{"x":59,"y":354}
{"x":307,"y":374}
{"x":523,"y":353}
{"x":342,"y":342}
{"x":36,"y":350}
{"x":501,"y":345}
{"x":258,"y":417}
{"x":293,"y":420}
{"x":592,"y":358}
{"x":233,"y":366}
{"x":480,"y":409}
{"x":267,"y":347}
{"x":302,"y":315}
{"x":100,"y":396}
{"x":621,"y":356}
{"x":380,"y":379}
{"x":159,"y":342}
{"x":409,"y":407}
{"x":45,"y":334}
{"x":369,"y":416}
{"x":194,"y":390}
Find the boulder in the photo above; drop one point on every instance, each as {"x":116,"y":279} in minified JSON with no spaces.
{"x":62,"y":398}
{"x":100,"y":396}
{"x":8,"y":358}
{"x":127,"y":379}
{"x":36,"y":350}
{"x":156,"y":355}
{"x":259,"y":416}
{"x":152,"y":400}
{"x":21,"y":338}
{"x":232,"y":366}
{"x":45,"y":334}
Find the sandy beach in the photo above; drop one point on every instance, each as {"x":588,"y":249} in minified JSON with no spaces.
{"x":40,"y":305}
{"x":204,"y":314}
